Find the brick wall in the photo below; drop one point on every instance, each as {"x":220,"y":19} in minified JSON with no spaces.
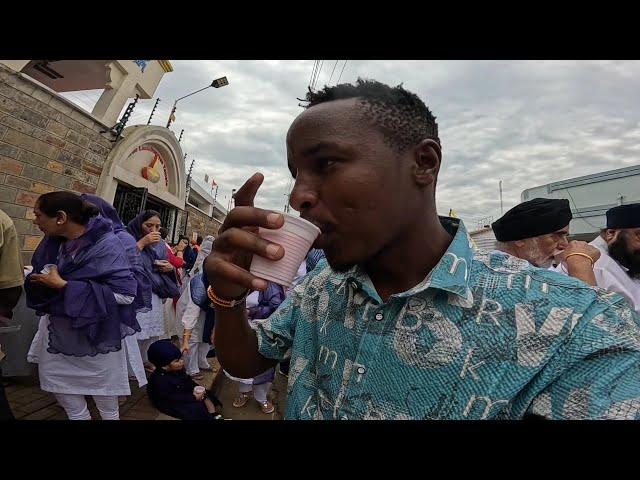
{"x":201,"y":223}
{"x":45,"y":145}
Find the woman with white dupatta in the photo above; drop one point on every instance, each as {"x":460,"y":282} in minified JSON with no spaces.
{"x":191,"y":321}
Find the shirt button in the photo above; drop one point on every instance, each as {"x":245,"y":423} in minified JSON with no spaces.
{"x":379,"y":316}
{"x":361,"y":370}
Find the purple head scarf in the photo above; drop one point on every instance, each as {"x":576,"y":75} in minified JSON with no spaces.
{"x":142,"y":302}
{"x":84,"y":317}
{"x":165,"y":285}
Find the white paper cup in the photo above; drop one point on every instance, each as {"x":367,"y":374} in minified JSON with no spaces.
{"x":199,"y":390}
{"x":47,"y":268}
{"x":296,"y":237}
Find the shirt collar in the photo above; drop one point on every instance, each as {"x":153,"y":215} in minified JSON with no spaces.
{"x":451,"y":273}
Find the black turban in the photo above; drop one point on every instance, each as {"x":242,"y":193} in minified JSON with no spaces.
{"x":533,"y":218}
{"x":624,"y":216}
{"x":163,"y":352}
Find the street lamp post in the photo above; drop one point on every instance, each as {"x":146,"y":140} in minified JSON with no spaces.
{"x":217,"y":83}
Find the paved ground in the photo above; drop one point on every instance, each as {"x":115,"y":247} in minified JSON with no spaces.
{"x":227,"y":390}
{"x":28,"y":402}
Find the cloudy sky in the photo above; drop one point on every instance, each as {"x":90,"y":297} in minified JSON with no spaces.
{"x":526,"y":123}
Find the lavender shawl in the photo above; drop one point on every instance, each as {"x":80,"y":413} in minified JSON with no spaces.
{"x":84,"y":317}
{"x":142,"y":302}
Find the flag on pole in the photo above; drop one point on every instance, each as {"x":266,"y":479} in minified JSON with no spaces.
{"x":213,"y":182}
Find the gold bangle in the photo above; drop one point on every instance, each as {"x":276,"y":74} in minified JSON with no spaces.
{"x":582,"y":255}
{"x":224,"y":303}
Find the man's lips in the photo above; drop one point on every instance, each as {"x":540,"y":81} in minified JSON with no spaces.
{"x":323,"y":226}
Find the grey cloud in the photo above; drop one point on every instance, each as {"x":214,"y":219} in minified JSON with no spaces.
{"x":526,"y":123}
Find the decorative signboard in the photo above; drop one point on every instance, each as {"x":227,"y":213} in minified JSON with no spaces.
{"x":151,"y":164}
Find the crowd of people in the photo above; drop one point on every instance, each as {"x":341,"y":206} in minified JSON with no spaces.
{"x":117,"y":304}
{"x":392,"y":315}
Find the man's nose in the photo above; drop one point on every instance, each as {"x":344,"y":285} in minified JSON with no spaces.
{"x":564,"y":243}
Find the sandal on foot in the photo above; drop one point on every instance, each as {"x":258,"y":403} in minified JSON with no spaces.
{"x":267,"y":407}
{"x":241,"y":400}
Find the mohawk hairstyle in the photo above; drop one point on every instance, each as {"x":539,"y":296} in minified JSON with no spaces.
{"x":402,"y":117}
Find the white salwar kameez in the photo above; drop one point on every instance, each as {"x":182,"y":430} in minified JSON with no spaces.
{"x":152,"y":326}
{"x":152,"y":322}
{"x":192,"y":318}
{"x":103,"y":374}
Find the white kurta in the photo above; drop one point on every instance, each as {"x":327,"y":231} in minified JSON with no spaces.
{"x":152,"y":322}
{"x":192,"y":317}
{"x":612,"y":276}
{"x":104,"y":374}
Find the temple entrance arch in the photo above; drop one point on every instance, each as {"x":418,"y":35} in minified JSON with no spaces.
{"x":145,"y":170}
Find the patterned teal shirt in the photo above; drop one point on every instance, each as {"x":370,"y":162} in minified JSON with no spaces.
{"x":484,"y":336}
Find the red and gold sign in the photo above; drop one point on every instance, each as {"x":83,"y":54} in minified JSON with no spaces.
{"x":151,"y":164}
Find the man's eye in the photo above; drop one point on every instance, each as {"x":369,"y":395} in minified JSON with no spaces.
{"x":325,"y":163}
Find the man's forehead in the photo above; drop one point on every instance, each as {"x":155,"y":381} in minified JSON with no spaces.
{"x":329,"y":116}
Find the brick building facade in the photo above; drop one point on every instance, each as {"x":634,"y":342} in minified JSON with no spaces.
{"x":47,"y":143}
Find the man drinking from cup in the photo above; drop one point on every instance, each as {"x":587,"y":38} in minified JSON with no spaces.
{"x":404,"y":320}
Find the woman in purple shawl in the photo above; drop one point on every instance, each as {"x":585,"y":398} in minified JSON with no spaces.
{"x":142,"y":303}
{"x":83,"y":287}
{"x":145,"y":228}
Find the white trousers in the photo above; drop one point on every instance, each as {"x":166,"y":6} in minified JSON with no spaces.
{"x":76,"y":406}
{"x":260,"y":392}
{"x":197,"y":357}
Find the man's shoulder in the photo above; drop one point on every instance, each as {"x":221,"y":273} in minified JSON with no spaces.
{"x":524,"y":280}
{"x":5,"y":220}
{"x":6,"y":225}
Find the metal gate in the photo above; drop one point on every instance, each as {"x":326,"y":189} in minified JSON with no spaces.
{"x":129,"y":202}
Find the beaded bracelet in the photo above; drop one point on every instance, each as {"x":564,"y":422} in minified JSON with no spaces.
{"x":221,"y":302}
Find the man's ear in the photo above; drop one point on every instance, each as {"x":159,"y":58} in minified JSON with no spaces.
{"x":427,"y":158}
{"x":610,"y":234}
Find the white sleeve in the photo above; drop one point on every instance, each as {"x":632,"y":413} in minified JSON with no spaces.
{"x":190,"y":315}
{"x":560,"y":269}
{"x":252,"y":299}
{"x":123,"y":299}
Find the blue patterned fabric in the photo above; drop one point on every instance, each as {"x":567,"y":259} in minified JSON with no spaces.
{"x":484,"y":336}
{"x":313,"y":257}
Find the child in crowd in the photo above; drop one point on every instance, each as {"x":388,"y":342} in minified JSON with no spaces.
{"x":172,"y":391}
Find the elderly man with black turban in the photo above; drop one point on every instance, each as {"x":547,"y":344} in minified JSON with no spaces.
{"x":537,"y":230}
